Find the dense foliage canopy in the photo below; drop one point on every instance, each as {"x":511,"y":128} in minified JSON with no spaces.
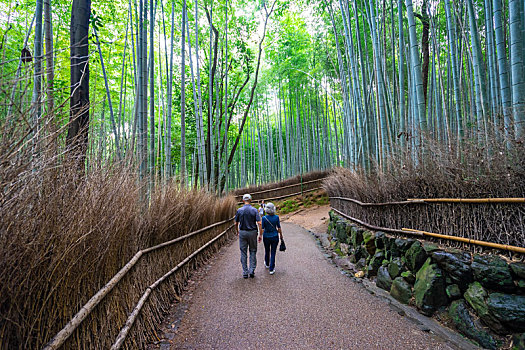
{"x":223,"y":94}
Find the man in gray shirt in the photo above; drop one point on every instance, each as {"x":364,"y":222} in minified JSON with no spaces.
{"x":248,"y":225}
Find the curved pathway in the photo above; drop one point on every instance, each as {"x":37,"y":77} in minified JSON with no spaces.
{"x":306,"y":304}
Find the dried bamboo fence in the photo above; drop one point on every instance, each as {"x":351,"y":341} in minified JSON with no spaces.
{"x":490,"y":222}
{"x":288,"y":188}
{"x":288,"y":195}
{"x":83,"y":324}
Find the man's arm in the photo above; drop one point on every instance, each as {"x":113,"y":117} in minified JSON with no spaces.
{"x":259,"y":226}
{"x":238,"y":227}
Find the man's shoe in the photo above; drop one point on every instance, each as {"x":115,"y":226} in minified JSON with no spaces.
{"x":272,"y":272}
{"x":252,"y":275}
{"x":245,"y":276}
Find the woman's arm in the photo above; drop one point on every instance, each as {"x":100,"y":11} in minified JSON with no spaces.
{"x":280,"y":232}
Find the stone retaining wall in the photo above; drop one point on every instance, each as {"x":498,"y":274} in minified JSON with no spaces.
{"x":482,"y":296}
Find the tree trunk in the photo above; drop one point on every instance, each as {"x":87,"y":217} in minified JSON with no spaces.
{"x":77,"y":136}
{"x":36,"y":103}
{"x":517,"y":68}
{"x":183,"y":100}
{"x":425,"y":47}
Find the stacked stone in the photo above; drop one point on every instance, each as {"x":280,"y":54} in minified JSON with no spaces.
{"x":483,"y":294}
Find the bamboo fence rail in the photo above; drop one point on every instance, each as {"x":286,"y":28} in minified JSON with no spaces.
{"x":438,"y":200}
{"x":470,"y":241}
{"x":372,"y":227}
{"x":422,"y":233}
{"x":414,"y":201}
{"x":283,"y":187}
{"x":59,"y":339}
{"x":288,"y":195}
{"x":470,"y":200}
{"x":134,"y":314}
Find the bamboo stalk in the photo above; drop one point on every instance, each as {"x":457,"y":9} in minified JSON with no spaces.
{"x":470,"y":200}
{"x":133,"y":316}
{"x":470,"y":241}
{"x":59,"y":339}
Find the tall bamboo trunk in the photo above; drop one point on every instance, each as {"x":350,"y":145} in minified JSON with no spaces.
{"x":517,"y":68}
{"x":77,"y":135}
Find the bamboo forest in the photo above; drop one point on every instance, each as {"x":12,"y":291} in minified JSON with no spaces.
{"x":132,"y":132}
{"x":221,"y":95}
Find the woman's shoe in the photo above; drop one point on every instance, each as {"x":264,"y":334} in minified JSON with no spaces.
{"x":266,"y":266}
{"x":272,"y":272}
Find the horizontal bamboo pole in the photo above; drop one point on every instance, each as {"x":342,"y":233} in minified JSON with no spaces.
{"x":469,"y":200}
{"x":470,"y":241}
{"x":133,"y":316}
{"x":288,"y":186}
{"x":59,"y":339}
{"x":288,"y":195}
{"x":435,"y":235}
{"x":437,"y":200}
{"x":415,"y":201}
{"x":369,"y":226}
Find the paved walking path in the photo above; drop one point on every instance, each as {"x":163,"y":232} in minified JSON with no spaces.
{"x":306,"y":304}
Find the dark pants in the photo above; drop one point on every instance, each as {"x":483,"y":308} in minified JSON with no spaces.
{"x":248,"y":240}
{"x":270,"y":248}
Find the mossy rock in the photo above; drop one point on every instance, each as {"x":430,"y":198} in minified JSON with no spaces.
{"x":409,"y":277}
{"x":415,"y":256}
{"x":375,"y":263}
{"x":493,"y":272}
{"x":508,"y":309}
{"x":356,"y":236}
{"x":389,"y":242}
{"x":518,"y":269}
{"x":477,"y":296}
{"x":360,"y":252}
{"x":341,"y":232}
{"x":456,"y":265}
{"x":395,"y":267}
{"x":518,"y":341}
{"x":400,"y":246}
{"x":430,"y":247}
{"x":465,"y":324}
{"x":429,"y":289}
{"x":379,"y":239}
{"x":453,"y":292}
{"x":369,"y":242}
{"x":401,"y":290}
{"x":383,"y":279}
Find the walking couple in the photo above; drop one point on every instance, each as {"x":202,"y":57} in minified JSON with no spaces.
{"x":251,"y":228}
